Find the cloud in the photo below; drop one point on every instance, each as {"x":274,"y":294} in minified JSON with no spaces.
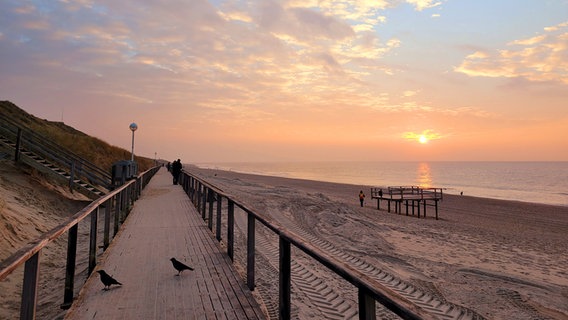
{"x":424,"y":4}
{"x":540,"y":58}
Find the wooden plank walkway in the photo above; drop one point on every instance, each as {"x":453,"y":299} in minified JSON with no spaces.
{"x":164,"y":224}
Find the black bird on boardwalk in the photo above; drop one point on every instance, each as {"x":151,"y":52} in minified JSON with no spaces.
{"x":107,"y":280}
{"x":179,"y":266}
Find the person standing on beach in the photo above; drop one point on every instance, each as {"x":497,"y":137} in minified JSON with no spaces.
{"x":361,"y":197}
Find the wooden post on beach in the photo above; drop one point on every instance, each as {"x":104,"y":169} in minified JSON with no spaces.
{"x":230,"y":228}
{"x":250,"y":250}
{"x":436,"y":205}
{"x":418,"y":208}
{"x":285,"y":279}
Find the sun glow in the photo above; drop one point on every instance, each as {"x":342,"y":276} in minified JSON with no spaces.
{"x":423,"y":138}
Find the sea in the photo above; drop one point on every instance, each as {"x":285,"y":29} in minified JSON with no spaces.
{"x":537,"y":182}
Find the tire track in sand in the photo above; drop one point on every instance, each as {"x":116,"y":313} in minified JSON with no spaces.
{"x":429,"y":302}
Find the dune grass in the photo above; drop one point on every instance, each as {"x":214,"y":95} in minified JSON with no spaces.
{"x":90,"y":148}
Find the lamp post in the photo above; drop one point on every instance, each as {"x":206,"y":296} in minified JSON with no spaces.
{"x":133,"y":127}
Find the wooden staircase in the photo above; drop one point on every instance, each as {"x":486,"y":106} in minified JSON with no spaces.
{"x":44,"y":155}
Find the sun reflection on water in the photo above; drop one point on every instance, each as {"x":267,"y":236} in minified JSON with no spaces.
{"x":424,"y":175}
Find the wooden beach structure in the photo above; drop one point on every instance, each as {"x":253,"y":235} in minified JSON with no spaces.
{"x":413,"y":197}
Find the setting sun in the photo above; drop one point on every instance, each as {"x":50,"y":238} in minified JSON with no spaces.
{"x":423,"y":138}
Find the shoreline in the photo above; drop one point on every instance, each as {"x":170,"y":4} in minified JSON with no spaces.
{"x":374,"y":186}
{"x":502,"y":259}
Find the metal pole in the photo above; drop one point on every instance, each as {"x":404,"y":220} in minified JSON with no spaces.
{"x":133,"y":127}
{"x":132,"y":157}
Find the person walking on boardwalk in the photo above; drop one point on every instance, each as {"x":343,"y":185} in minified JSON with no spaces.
{"x":176,"y":170}
{"x":361,"y":197}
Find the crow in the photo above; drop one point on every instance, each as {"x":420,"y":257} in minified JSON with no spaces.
{"x":107,"y":280}
{"x":179,"y":266}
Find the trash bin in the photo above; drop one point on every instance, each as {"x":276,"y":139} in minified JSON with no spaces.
{"x":122,"y":171}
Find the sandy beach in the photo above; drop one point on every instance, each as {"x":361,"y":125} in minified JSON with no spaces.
{"x":494,"y":259}
{"x":30,"y":205}
{"x":498,"y":259}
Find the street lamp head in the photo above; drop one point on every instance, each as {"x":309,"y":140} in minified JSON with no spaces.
{"x":133,"y":126}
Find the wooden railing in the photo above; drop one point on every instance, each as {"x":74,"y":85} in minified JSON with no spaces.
{"x":413,"y":195}
{"x":370,"y":291}
{"x":120,"y":200}
{"x":75,"y":165}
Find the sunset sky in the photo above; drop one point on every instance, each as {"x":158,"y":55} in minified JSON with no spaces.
{"x":297,"y":80}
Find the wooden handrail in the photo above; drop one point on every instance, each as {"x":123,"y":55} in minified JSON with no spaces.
{"x":29,"y":254}
{"x":370,"y":290}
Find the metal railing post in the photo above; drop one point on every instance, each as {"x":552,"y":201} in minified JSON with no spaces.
{"x":218,"y":220}
{"x":106,"y":236}
{"x":366,"y":306}
{"x":285,"y":280}
{"x":210,"y":217}
{"x":116,"y":213}
{"x":93,"y":241}
{"x":70,"y":267}
{"x":198,"y":196}
{"x":250,"y":250}
{"x":230,"y":228}
{"x":29,"y":288}
{"x":204,"y":202}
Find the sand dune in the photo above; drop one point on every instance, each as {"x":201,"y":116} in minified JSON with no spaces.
{"x":30,"y":205}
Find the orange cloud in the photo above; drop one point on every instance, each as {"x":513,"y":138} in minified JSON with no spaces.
{"x":539,"y":58}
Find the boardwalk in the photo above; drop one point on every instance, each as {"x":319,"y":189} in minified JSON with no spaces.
{"x":164,"y":224}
